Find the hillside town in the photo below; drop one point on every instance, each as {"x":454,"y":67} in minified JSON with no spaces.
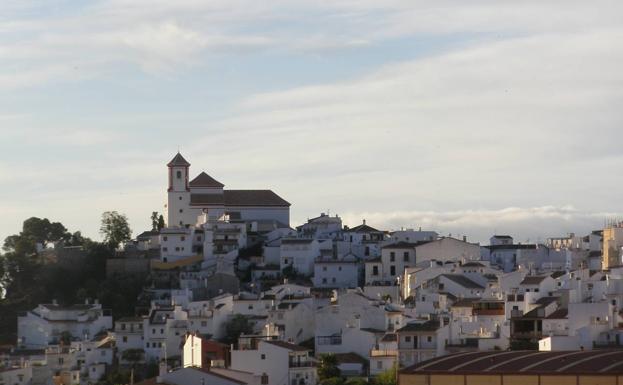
{"x":237,"y":294}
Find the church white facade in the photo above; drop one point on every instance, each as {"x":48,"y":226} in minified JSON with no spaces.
{"x":190,"y":199}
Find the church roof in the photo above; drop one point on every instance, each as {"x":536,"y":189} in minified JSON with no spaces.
{"x":178,"y":160}
{"x":240,"y":198}
{"x":205,"y":180}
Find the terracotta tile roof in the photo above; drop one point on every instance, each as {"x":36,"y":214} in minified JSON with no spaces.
{"x":205,"y":180}
{"x":532,"y":280}
{"x":178,"y":160}
{"x":286,"y":345}
{"x":350,"y":358}
{"x":362,"y":229}
{"x":558,"y":314}
{"x":240,"y":198}
{"x":427,"y":326}
{"x":463,"y":281}
{"x":403,"y":245}
{"x":523,"y":362}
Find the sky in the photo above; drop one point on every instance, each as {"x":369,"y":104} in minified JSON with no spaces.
{"x":468,"y":118}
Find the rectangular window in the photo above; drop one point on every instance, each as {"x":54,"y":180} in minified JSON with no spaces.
{"x":164,"y":239}
{"x":125,"y":339}
{"x":263,"y":356}
{"x":392,"y":270}
{"x":375,"y":270}
{"x":392,"y":256}
{"x":406,"y":256}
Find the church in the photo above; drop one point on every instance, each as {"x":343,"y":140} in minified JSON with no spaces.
{"x":189,"y":199}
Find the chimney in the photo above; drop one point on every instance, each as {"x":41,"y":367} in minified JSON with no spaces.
{"x":162,"y":371}
{"x":464,"y":238}
{"x":54,"y":302}
{"x":364,"y":221}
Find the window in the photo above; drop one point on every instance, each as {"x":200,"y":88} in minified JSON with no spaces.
{"x":199,"y":238}
{"x":339,"y":268}
{"x":182,"y":238}
{"x":367,"y":251}
{"x":264,"y":379}
{"x":429,"y":339}
{"x":165,"y":249}
{"x":102,"y":353}
{"x":263,"y":356}
{"x":161,"y":331}
{"x":379,"y":364}
{"x":324,"y":268}
{"x":250,"y":307}
{"x":147,"y":345}
{"x":177,"y":249}
{"x":125,"y":339}
{"x":181,"y":210}
{"x":179,"y":175}
{"x":204,"y":323}
{"x":333,"y":279}
{"x":122,"y":326}
{"x":324,"y":280}
{"x":406,"y":256}
{"x":375,"y":270}
{"x":392,"y":256}
{"x":164,"y":239}
{"x":407,"y":338}
{"x":180,"y":198}
{"x":392,"y":270}
{"x":153,"y":331}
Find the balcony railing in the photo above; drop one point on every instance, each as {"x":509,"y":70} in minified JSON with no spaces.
{"x":302,"y":364}
{"x":383,"y":353}
{"x":329,"y":340}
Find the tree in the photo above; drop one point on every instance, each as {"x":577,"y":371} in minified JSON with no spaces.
{"x":328,"y":366}
{"x":160,"y":222}
{"x":332,"y":381}
{"x":115,"y":228}
{"x":356,"y":381}
{"x":154,"y":220}
{"x":239,"y":324}
{"x":387,"y":377}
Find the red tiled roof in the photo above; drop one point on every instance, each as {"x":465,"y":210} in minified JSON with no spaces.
{"x":240,"y":198}
{"x":205,"y":180}
{"x":178,"y":160}
{"x":523,"y":362}
{"x":287,"y":345}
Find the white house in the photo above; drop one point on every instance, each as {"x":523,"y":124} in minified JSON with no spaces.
{"x":163,"y":331}
{"x":47,"y":323}
{"x":283,"y":363}
{"x":300,"y":253}
{"x":421,"y":340}
{"x":337,"y":273}
{"x":129,"y":334}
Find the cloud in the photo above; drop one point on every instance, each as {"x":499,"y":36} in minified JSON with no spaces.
{"x":43,"y":45}
{"x":527,"y":224}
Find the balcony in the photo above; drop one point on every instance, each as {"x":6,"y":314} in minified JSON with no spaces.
{"x":329,"y":340}
{"x":383,"y":353}
{"x":301,"y":364}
